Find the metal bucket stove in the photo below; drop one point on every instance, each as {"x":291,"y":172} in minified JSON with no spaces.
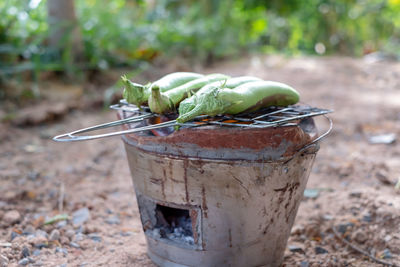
{"x":221,"y":196}
{"x":220,"y":191}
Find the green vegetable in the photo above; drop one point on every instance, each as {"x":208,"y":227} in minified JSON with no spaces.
{"x":168,"y":101}
{"x":138,"y":94}
{"x":247,"y":97}
{"x":189,"y":103}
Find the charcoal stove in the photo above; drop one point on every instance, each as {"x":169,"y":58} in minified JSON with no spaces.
{"x":220,"y":191}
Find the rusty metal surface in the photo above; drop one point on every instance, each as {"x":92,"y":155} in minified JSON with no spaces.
{"x":246,"y":208}
{"x":215,"y":142}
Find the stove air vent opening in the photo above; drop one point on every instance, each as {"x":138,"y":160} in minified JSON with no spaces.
{"x":171,"y":223}
{"x":174,"y":224}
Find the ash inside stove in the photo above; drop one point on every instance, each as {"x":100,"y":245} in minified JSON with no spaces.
{"x":173,"y":224}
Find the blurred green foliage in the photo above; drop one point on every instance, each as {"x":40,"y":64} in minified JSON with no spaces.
{"x":123,"y":32}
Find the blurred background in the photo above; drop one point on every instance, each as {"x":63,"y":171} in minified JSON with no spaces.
{"x":78,"y":40}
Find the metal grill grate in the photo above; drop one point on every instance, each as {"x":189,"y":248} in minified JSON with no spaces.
{"x":269,"y":117}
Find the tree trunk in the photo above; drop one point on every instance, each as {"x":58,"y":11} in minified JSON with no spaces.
{"x":63,"y":28}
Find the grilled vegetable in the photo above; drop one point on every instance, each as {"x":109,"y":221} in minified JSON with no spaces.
{"x":247,"y":97}
{"x":166,"y":102}
{"x":138,"y":94}
{"x":189,"y":103}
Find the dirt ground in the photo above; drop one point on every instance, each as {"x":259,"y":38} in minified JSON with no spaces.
{"x":351,"y":187}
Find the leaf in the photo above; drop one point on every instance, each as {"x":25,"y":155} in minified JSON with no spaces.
{"x":57,"y":218}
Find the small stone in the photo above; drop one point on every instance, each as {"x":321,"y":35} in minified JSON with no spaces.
{"x":36,"y":252}
{"x":31,"y":260}
{"x":70,"y":233}
{"x":327,"y":217}
{"x":64,"y":240}
{"x":113,"y":220}
{"x":25,"y":252}
{"x":367,"y":217}
{"x":386,"y":254}
{"x":382,"y":176}
{"x":355,"y":194}
{"x":123,"y":233}
{"x":29,"y":230}
{"x":359,"y":236}
{"x":39,"y":242}
{"x":80,"y":229}
{"x":296,"y":249}
{"x":80,"y":216}
{"x":387,"y":238}
{"x":5,"y":245}
{"x":61,"y":224}
{"x":23,"y":262}
{"x":63,"y":265}
{"x":11,"y":217}
{"x":14,"y":235}
{"x":64,"y":251}
{"x":342,"y":228}
{"x":78,"y":237}
{"x":95,"y":237}
{"x":54,"y":235}
{"x":320,"y":250}
{"x":388,"y":138}
{"x":90,"y":229}
{"x":311,"y":193}
{"x":304,"y":264}
{"x":74,"y":245}
{"x":41,"y":233}
{"x":2,"y":205}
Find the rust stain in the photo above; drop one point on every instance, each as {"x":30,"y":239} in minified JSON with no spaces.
{"x":176,"y":181}
{"x":292,"y":190}
{"x":283,"y":189}
{"x":271,"y":221}
{"x":156,"y":181}
{"x":185,"y":166}
{"x":241,"y":184}
{"x":193,"y":217}
{"x":170,"y":169}
{"x":230,"y":237}
{"x":281,"y":197}
{"x":264,"y":211}
{"x":163,"y":189}
{"x":204,"y":203}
